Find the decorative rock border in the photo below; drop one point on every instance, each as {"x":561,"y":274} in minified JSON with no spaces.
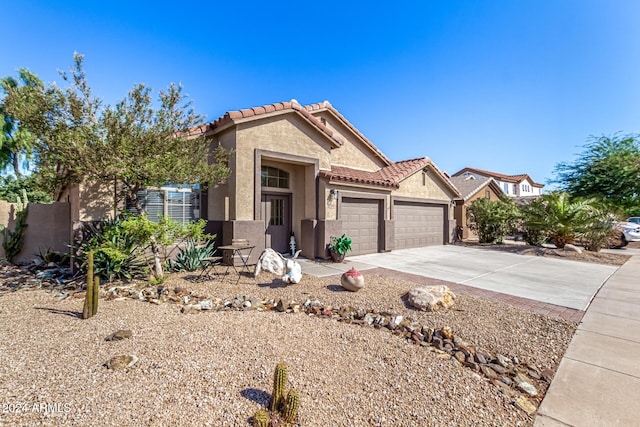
{"x":513,"y":378}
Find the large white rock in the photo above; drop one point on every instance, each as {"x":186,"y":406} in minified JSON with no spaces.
{"x":432,"y":298}
{"x":270,"y":261}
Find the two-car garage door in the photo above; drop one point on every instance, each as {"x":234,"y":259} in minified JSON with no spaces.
{"x":416,"y":224}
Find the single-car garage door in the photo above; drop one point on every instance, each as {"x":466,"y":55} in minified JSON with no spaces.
{"x":361,"y":221}
{"x":418,"y":224}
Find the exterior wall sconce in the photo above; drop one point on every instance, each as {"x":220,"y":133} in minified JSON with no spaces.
{"x":333,"y":196}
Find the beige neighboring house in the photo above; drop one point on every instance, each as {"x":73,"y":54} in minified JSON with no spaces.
{"x":471,"y":189}
{"x":305,"y":170}
{"x":516,"y":186}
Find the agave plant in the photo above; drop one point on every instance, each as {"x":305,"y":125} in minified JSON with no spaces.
{"x":116,"y":251}
{"x":193,"y":256}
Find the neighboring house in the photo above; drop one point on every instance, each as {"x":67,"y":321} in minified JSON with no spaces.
{"x":471,"y":189}
{"x":305,"y":170}
{"x":517,"y":186}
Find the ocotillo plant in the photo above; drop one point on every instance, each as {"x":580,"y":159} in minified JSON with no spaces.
{"x":91,"y":297}
{"x":279,"y":383}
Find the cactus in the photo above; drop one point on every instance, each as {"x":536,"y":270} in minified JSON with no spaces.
{"x":91,"y":297}
{"x":13,"y":241}
{"x":261,"y":418}
{"x":96,"y":293}
{"x":290,"y":409}
{"x":279,"y":382}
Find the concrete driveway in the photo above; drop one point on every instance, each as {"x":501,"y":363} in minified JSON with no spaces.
{"x":561,"y":282}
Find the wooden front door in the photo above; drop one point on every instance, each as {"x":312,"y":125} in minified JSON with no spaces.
{"x":276,"y":213}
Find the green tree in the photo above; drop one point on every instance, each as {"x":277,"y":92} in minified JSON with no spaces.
{"x":136,"y":143}
{"x":608,"y":168}
{"x":492,"y":220}
{"x":11,"y":189}
{"x":16,"y":142}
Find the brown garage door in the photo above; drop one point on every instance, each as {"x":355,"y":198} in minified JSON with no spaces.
{"x":360,"y":221}
{"x":418,"y":224}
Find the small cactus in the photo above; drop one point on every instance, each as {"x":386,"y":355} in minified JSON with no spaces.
{"x":291,"y":406}
{"x":261,"y":418}
{"x":96,"y":293}
{"x":93,"y":285}
{"x":279,"y":383}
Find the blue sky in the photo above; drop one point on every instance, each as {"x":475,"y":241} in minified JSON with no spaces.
{"x":513,"y":86}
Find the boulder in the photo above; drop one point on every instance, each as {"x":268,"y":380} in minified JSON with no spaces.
{"x":572,"y":248}
{"x":270,"y":261}
{"x":352,"y":280}
{"x":432,"y":298}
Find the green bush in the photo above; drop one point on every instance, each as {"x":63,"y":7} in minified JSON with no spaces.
{"x":491,"y":220}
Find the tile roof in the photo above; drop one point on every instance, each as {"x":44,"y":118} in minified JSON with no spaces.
{"x":500,"y":176}
{"x":293,"y":105}
{"x":470,"y":186}
{"x":326,"y":105}
{"x":388,"y":176}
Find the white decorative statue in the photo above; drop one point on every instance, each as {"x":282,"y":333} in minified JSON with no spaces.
{"x":292,"y":245}
{"x":275,"y":263}
{"x":294,"y":270}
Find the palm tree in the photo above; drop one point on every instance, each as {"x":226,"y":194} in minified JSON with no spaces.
{"x":562,"y":219}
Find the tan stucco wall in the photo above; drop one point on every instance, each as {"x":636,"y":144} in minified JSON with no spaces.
{"x":285,"y":134}
{"x":48,"y":227}
{"x":425,"y":187}
{"x":97,"y":202}
{"x":353,"y":153}
{"x":217,"y":194}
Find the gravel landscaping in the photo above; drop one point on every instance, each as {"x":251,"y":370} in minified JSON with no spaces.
{"x":215,"y":367}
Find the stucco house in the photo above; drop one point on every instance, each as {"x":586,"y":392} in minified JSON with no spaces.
{"x":517,"y":186}
{"x":307,"y":170}
{"x":304,"y":170}
{"x":471,"y":189}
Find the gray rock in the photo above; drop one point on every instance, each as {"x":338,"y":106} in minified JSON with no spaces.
{"x":504,"y":361}
{"x":206,"y":304}
{"x":191,"y":309}
{"x":488,"y":372}
{"x":369,"y":318}
{"x":498,"y":368}
{"x":118,"y":335}
{"x":119,"y":363}
{"x":528,"y":388}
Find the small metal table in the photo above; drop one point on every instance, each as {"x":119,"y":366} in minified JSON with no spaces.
{"x":244,"y":257}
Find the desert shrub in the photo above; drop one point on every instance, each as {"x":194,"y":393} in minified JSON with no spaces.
{"x":192,"y":256}
{"x":491,"y":220}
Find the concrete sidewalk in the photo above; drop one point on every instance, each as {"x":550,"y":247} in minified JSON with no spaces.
{"x":598,"y":380}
